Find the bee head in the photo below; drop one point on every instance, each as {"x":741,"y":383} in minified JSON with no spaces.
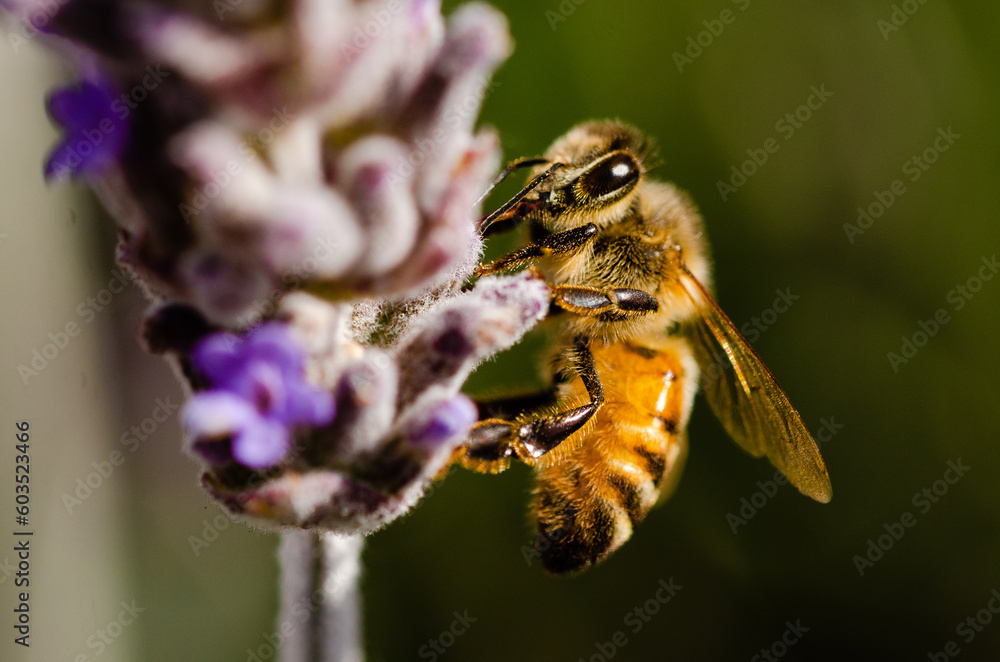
{"x":586,"y":176}
{"x":601,"y":164}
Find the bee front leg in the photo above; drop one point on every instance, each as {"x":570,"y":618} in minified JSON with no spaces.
{"x":561,"y":242}
{"x":494,"y":442}
{"x":607,"y":305}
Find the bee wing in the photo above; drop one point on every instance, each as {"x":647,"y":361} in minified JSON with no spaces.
{"x":748,"y":401}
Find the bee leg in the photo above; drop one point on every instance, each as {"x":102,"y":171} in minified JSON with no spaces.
{"x":608,"y":306}
{"x":560,"y":242}
{"x":494,"y":442}
{"x":508,"y":407}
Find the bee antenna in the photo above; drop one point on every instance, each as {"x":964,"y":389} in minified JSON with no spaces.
{"x":505,"y":211}
{"x":511,"y":167}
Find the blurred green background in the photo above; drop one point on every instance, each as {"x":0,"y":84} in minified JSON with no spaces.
{"x":898,"y":424}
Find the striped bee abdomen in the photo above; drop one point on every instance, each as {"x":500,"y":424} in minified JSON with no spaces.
{"x":600,"y":483}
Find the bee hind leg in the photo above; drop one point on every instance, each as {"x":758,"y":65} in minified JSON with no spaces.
{"x":494,"y":442}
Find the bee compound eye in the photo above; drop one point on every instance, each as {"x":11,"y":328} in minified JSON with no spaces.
{"x":615,"y":174}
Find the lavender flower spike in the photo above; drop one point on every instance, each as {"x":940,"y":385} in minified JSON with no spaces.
{"x":259,"y":393}
{"x":295,"y":186}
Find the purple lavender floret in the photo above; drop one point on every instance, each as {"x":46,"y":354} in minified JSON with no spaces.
{"x":447,"y":421}
{"x":259,"y":393}
{"x":95,"y":135}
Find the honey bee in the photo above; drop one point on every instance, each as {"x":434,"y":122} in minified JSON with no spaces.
{"x":626,"y":257}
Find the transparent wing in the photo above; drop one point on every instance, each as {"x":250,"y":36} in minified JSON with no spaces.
{"x":748,"y":401}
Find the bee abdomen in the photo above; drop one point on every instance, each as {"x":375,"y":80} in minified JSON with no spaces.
{"x":584,"y":517}
{"x":573,"y":536}
{"x":592,"y":493}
